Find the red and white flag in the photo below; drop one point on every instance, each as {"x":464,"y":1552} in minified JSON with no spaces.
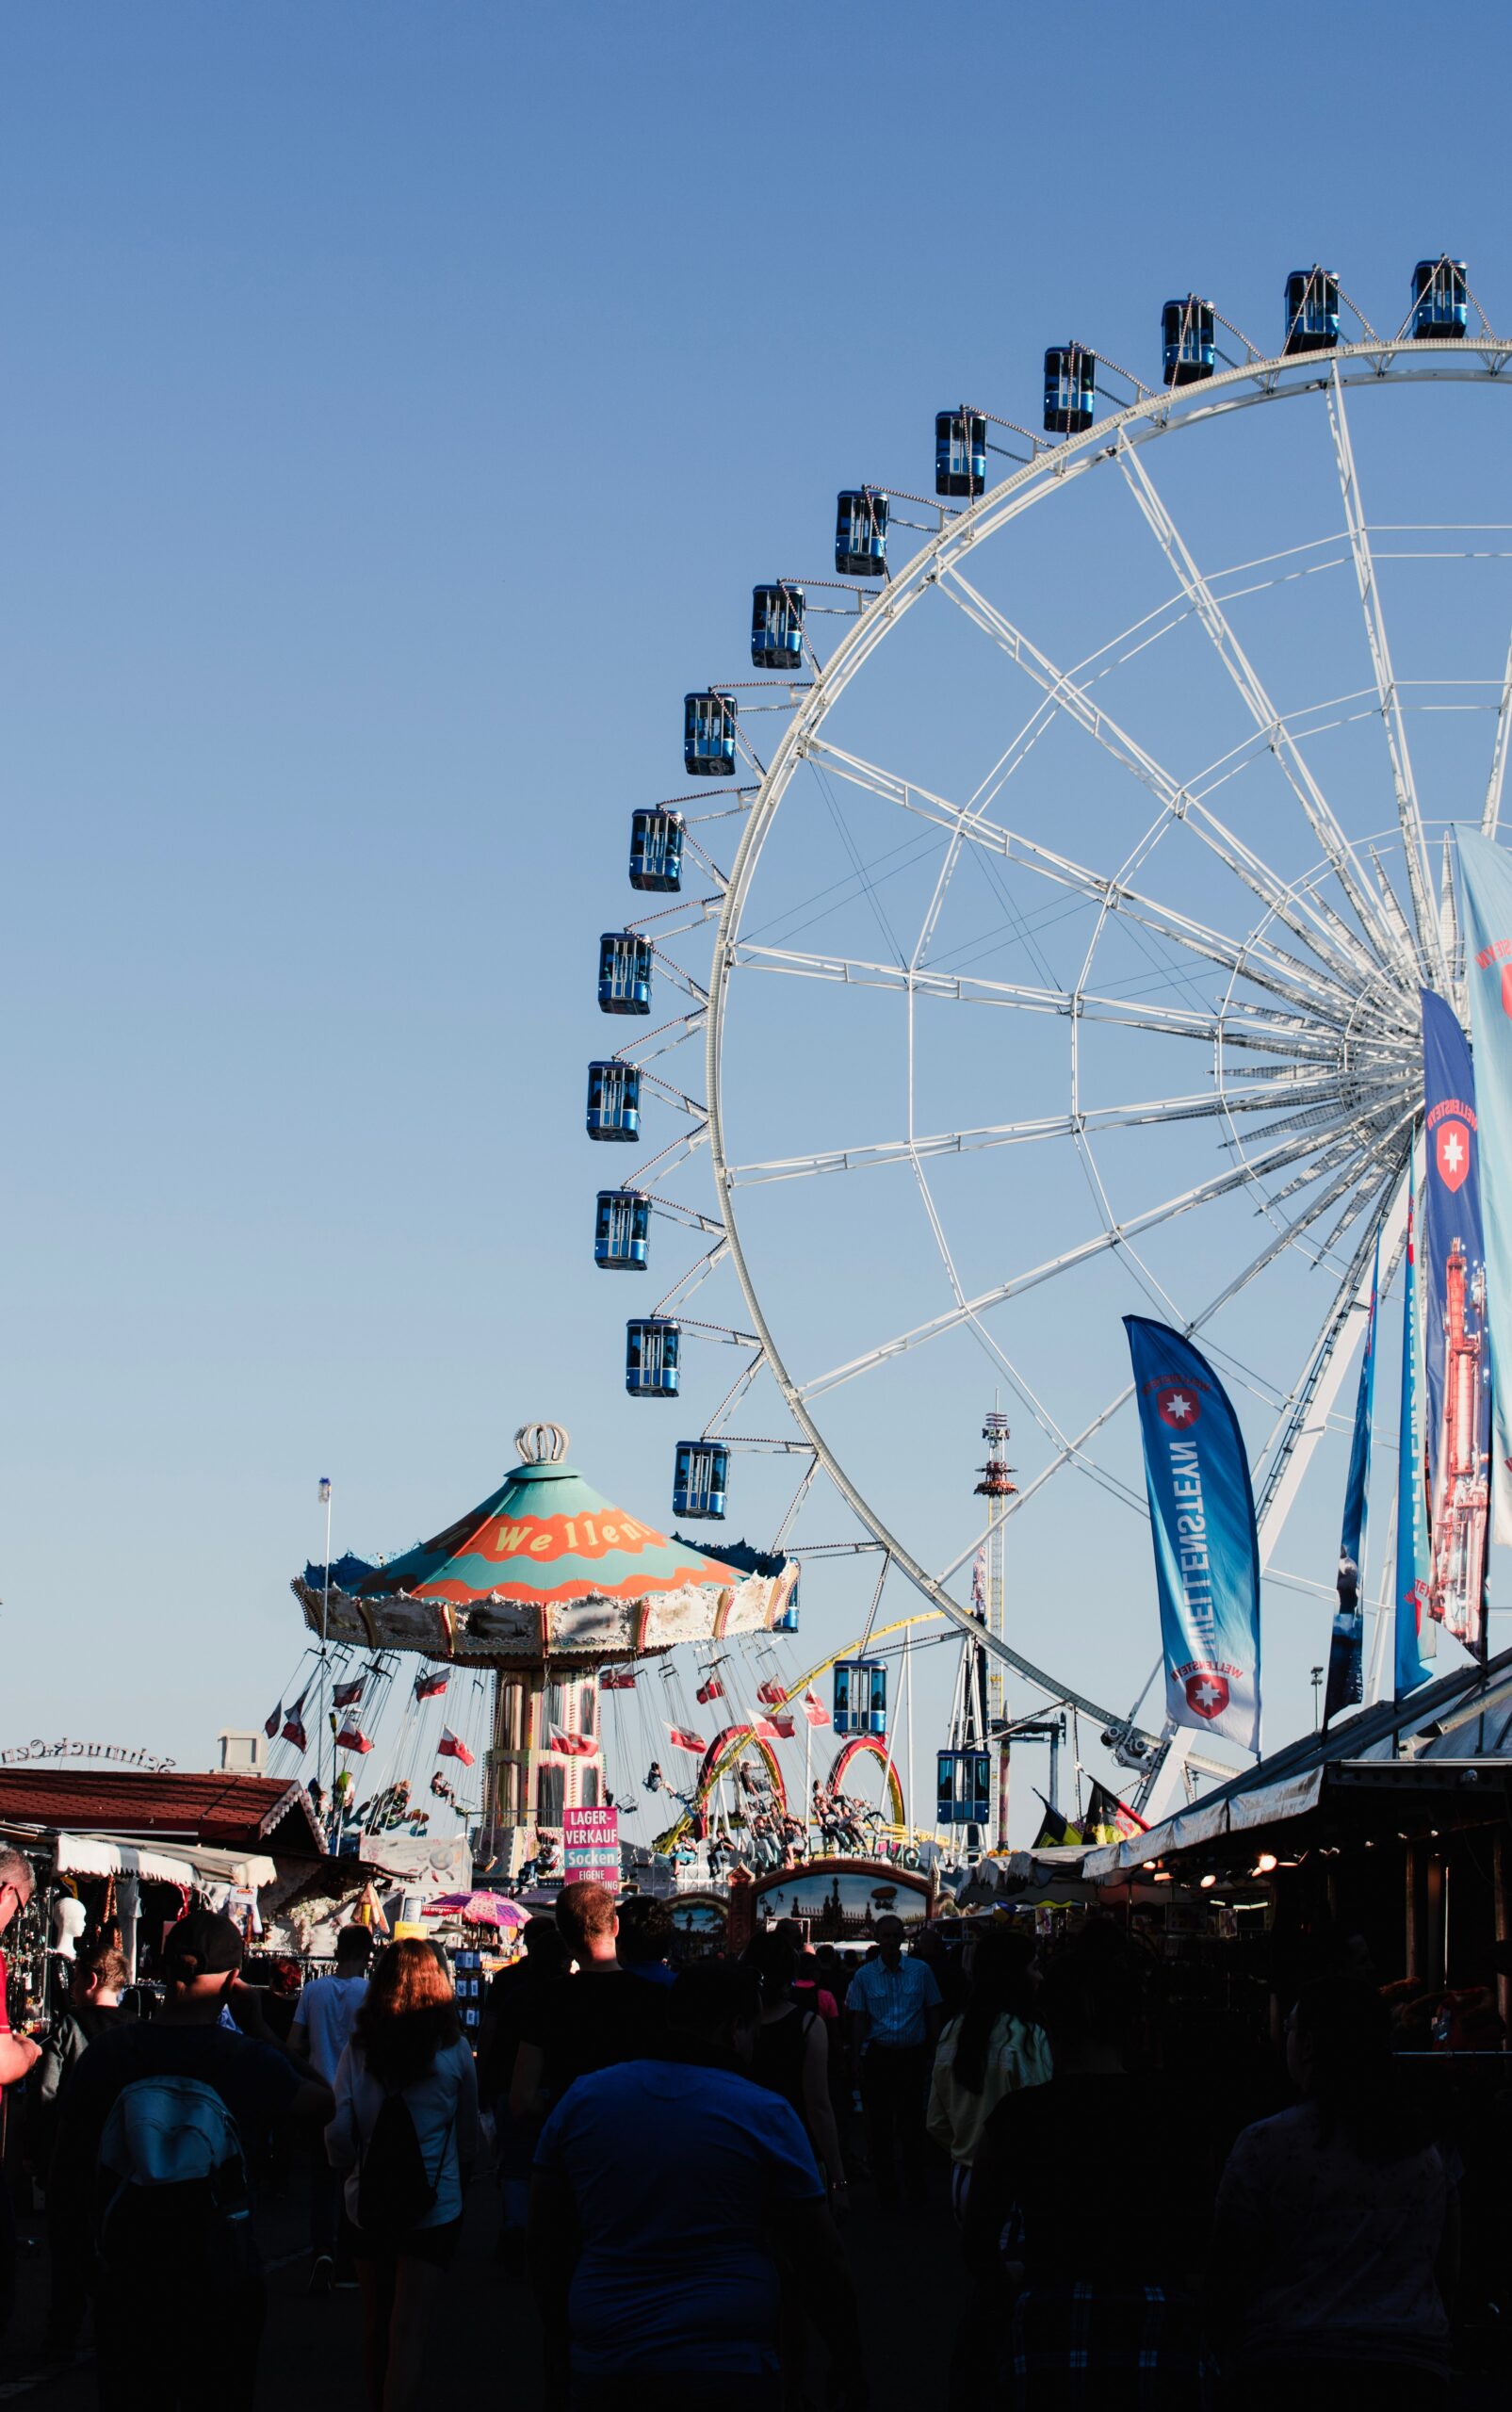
{"x":351,"y":1737}
{"x":713,"y":1690}
{"x":815,"y":1710}
{"x":347,"y":1695}
{"x":452,"y":1746}
{"x":773,"y":1729}
{"x":573,"y":1745}
{"x":430,"y":1684}
{"x":294,"y":1726}
{"x":684,"y":1741}
{"x":617,"y":1679}
{"x":272,"y":1724}
{"x":771,"y":1694}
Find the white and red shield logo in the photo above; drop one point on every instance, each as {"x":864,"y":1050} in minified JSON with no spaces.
{"x":1207,"y":1693}
{"x":1450,"y":1152}
{"x":1175,"y":1404}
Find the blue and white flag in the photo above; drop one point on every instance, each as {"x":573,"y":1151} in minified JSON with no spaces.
{"x":1202,"y":1519}
{"x":1413,"y":1566}
{"x":1455,"y":1358}
{"x":1346,"y":1656}
{"x":1487,"y":873}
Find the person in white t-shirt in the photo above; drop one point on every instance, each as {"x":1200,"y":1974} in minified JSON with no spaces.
{"x":321,"y":2031}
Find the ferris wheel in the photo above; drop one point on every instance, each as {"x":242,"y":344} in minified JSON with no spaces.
{"x":1058,"y":954}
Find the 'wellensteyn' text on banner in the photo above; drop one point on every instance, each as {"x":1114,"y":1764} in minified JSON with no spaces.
{"x":1202,"y":1520}
{"x":1457,"y":1361}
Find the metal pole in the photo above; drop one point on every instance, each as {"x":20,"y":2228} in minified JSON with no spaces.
{"x":908,"y":1724}
{"x":325,"y":1621}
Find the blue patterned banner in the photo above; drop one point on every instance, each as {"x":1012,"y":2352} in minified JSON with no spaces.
{"x":1346,"y":1656}
{"x":1411,"y":1505}
{"x":1202,"y":1520}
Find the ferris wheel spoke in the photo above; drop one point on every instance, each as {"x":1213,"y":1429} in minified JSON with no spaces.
{"x":1275,"y":1161}
{"x":1492,"y":813}
{"x":1202,"y":1104}
{"x":1298,"y":913}
{"x":1313,"y":991}
{"x":1409,"y":816}
{"x":1348,"y":869}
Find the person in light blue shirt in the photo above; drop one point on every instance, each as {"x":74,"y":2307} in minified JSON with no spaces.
{"x":895,"y":2011}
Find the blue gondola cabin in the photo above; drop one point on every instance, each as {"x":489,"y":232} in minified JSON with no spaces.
{"x":860,"y":1699}
{"x":614,"y":1101}
{"x":656,"y":850}
{"x":708,"y":735}
{"x":1070,"y":389}
{"x":964,"y":1787}
{"x":960,"y":452}
{"x":1311,"y":310}
{"x":1441,"y":299}
{"x":623,"y":973}
{"x":777,"y":627}
{"x":1189,"y":341}
{"x":861,"y":532}
{"x":700,"y":1478}
{"x":652,"y":1346}
{"x":622,"y":1230}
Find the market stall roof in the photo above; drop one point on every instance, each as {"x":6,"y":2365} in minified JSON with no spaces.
{"x":112,"y":1855}
{"x":1437,"y":1731}
{"x":238,"y":1814}
{"x":545,"y":1565}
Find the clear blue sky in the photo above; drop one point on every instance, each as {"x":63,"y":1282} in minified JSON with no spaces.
{"x":400,"y":403}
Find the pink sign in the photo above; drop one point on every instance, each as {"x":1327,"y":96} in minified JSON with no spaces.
{"x":591,"y":1847}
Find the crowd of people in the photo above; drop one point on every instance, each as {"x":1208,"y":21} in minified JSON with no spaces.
{"x":675,"y":2150}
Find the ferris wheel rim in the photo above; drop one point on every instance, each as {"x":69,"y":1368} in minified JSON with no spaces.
{"x":1382,"y":362}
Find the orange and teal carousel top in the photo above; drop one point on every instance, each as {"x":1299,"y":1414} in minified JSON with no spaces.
{"x":545,"y":1568}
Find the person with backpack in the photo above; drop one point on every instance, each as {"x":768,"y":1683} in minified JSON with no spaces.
{"x":161,"y":2129}
{"x":407,"y":2135}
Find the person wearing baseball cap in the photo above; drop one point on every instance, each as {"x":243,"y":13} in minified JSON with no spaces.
{"x":200,"y":1959}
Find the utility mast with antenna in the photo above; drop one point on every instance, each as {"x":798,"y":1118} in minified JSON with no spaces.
{"x":996,"y":1487}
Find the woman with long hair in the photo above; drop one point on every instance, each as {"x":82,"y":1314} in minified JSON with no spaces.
{"x":1335,"y":2243}
{"x":791,"y":2054}
{"x":996,"y":2047}
{"x":406,"y":2133}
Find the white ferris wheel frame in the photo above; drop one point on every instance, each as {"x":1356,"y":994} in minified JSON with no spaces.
{"x":1119,"y":438}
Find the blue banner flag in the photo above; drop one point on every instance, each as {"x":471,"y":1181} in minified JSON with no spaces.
{"x":1411,"y":1507}
{"x":1456,"y":1366}
{"x":1202,"y":1517}
{"x":1346,"y":1656}
{"x":1486,"y":871}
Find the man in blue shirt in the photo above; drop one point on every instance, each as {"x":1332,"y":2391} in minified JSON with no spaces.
{"x":895,"y":2010}
{"x":665,"y":2193}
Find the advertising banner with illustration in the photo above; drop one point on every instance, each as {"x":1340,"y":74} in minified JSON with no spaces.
{"x":1487,"y":873}
{"x":1202,"y":1520}
{"x":1457,"y":1360}
{"x":1412,"y":1563}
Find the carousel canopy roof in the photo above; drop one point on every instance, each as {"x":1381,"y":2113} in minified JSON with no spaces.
{"x":545,"y":1563}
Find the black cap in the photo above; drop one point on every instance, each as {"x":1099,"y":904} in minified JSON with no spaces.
{"x":203,"y":1944}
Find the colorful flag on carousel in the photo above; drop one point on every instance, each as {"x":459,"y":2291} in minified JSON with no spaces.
{"x":773,"y":1729}
{"x":1412,"y":1557}
{"x":1202,"y":1523}
{"x":272,"y":1724}
{"x":1457,"y":1364}
{"x":452,"y":1746}
{"x":1108,"y":1819}
{"x":351,"y":1737}
{"x":815,"y":1710}
{"x":347,"y":1695}
{"x":573,"y":1745}
{"x":1346,"y":1652}
{"x":1486,"y":871}
{"x":1055,"y":1831}
{"x":294,"y":1726}
{"x":430,"y":1682}
{"x":617,"y":1679}
{"x":684,"y":1741}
